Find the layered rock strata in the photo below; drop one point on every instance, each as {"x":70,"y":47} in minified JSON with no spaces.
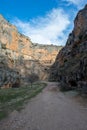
{"x":20,"y":57}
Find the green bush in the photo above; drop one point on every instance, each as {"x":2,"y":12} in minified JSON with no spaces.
{"x":64,"y":87}
{"x":3,"y":46}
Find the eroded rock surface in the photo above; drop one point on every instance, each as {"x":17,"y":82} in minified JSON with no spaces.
{"x":70,"y":66}
{"x":19,"y":56}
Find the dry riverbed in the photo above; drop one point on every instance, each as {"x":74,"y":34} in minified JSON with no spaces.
{"x":49,"y":110}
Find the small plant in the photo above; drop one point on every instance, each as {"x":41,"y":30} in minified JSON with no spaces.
{"x":64,"y":87}
{"x":80,"y":37}
{"x":33,"y":78}
{"x":3,"y":46}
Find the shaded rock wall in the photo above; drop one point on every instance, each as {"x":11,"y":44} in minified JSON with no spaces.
{"x":70,"y":65}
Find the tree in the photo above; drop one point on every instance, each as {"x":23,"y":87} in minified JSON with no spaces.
{"x":33,"y":78}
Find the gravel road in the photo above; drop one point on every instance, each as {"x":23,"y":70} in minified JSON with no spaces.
{"x":50,"y":110}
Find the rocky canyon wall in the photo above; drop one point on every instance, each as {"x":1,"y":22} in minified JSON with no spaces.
{"x":20,"y":57}
{"x":70,"y":66}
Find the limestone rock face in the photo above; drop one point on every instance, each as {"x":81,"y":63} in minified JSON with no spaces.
{"x":70,"y":65}
{"x":9,"y":77}
{"x":20,"y":57}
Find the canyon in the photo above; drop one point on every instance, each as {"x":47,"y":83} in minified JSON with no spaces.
{"x":59,"y":74}
{"x":20,"y":57}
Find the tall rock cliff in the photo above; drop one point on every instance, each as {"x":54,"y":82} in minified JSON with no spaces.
{"x":20,"y":57}
{"x":70,"y":65}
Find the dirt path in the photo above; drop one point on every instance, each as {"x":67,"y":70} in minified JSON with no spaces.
{"x":50,"y":110}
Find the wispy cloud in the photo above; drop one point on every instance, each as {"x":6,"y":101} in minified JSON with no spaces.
{"x":49,"y":29}
{"x":78,"y":3}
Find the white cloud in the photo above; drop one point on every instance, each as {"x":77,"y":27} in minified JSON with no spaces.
{"x":78,"y":3}
{"x":46,"y":30}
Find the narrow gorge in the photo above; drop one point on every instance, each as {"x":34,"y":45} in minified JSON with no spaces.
{"x":43,"y":84}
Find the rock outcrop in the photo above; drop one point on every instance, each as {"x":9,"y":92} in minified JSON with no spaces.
{"x":70,"y":66}
{"x":20,"y":57}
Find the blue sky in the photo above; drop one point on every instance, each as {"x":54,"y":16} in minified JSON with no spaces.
{"x":44,"y":21}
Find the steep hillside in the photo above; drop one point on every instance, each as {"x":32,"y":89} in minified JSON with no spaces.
{"x":70,"y":66}
{"x":20,"y":57}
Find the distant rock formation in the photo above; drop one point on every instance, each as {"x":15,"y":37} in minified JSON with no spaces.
{"x":20,"y":57}
{"x":70,"y":66}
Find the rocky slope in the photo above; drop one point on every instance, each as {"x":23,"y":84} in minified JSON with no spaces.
{"x":70,"y":66}
{"x":20,"y":57}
